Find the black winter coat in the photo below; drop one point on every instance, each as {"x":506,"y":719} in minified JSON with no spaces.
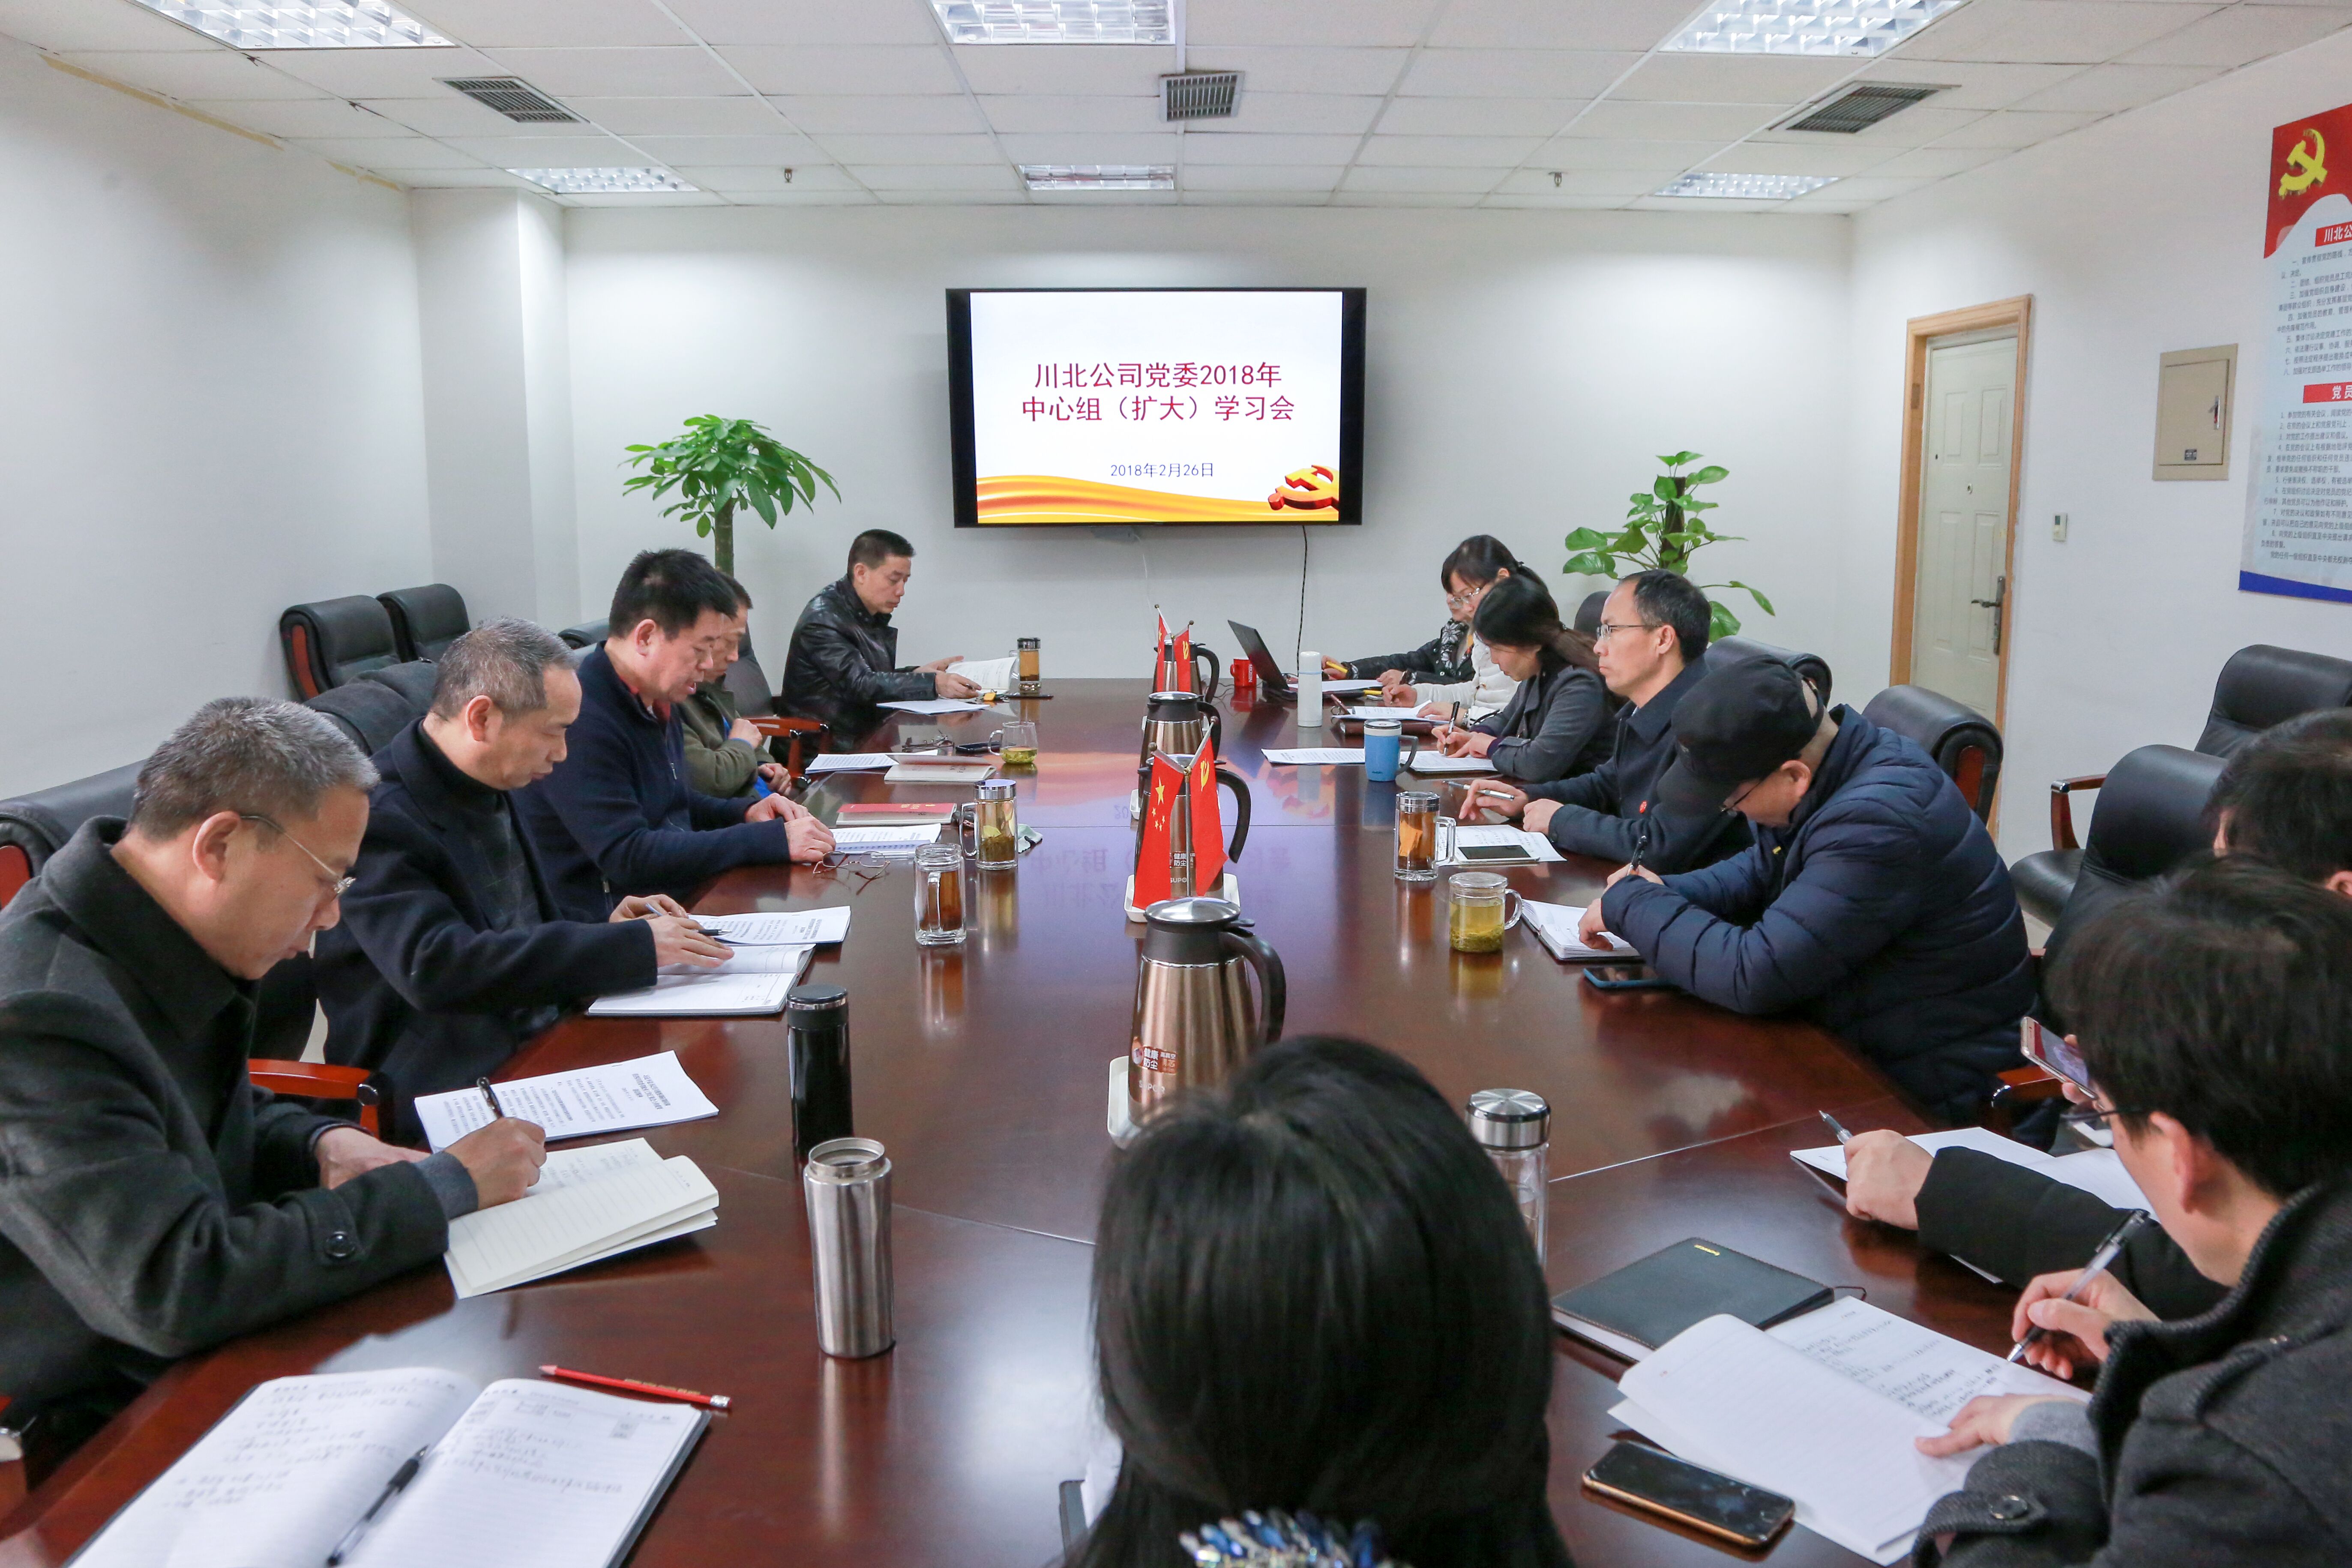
{"x":844,"y":659}
{"x":1443,"y":660}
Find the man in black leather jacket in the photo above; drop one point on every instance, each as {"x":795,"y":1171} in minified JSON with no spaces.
{"x":844,"y":653}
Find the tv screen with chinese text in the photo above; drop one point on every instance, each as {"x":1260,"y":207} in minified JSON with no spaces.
{"x":1134,"y":405}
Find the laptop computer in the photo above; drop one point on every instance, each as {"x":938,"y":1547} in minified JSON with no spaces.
{"x":1274,"y":680}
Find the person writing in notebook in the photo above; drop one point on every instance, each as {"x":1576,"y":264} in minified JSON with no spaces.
{"x":1556,"y":723}
{"x":1454,"y":666}
{"x":451,"y":952}
{"x":2214,"y":1016}
{"x":844,"y":658}
{"x":618,"y":815}
{"x":153,"y":1201}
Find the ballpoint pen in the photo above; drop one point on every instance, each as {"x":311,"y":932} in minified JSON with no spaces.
{"x":2100,"y":1261}
{"x":496,"y":1110}
{"x":391,"y":1489}
{"x":1844,"y":1136}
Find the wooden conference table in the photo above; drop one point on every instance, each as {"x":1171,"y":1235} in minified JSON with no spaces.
{"x":982,"y":1071}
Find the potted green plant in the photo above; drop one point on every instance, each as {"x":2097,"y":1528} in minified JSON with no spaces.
{"x":719,"y":465}
{"x":1663,"y":529}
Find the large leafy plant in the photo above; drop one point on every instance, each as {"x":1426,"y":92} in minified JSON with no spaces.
{"x":1665,"y":527}
{"x":719,"y":465}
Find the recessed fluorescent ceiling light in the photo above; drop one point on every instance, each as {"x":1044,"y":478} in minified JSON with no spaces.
{"x":1745,"y":187}
{"x":1099,"y":177}
{"x":323,"y":25}
{"x":1807,"y":26}
{"x":603,"y":182}
{"x":1055,"y":21}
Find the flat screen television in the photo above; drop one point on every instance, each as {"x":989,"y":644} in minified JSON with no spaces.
{"x":1232,"y":407}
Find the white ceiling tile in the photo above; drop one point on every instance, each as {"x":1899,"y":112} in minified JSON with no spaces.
{"x":848,"y":196}
{"x":66,"y":26}
{"x":1406,"y":199}
{"x":1557,"y":201}
{"x":1814,"y":158}
{"x":2048,"y":32}
{"x":455,"y":115}
{"x":1013,"y":112}
{"x":1939,"y":162}
{"x":781,"y":148}
{"x":681,"y":116}
{"x":1478,"y":116}
{"x":394,"y":152}
{"x":861,"y":149}
{"x":1513,"y":73}
{"x":1634,"y":24}
{"x":1580,"y":182}
{"x":1703,"y":207}
{"x":683,"y":73}
{"x":574,"y":151}
{"x":731,"y":178}
{"x":1441,"y":152}
{"x":937,"y":176}
{"x":1673,"y":121}
{"x":835,"y":67}
{"x":2110,"y":87}
{"x":1302,"y":113}
{"x":791,"y":23}
{"x":1295,"y":199}
{"x":1268,"y":177}
{"x":450,"y":179}
{"x":908,"y":114}
{"x":1971,"y":84}
{"x":1389,"y":179}
{"x":548,"y":24}
{"x":194,"y":73}
{"x":1252,"y":147}
{"x":1872,"y":188}
{"x":1067,"y":70}
{"x":1305,"y":69}
{"x":314,"y":117}
{"x":1212,"y":23}
{"x":648,"y":199}
{"x":1732,"y":78}
{"x":1093,"y":147}
{"x":964,"y":198}
{"x":380,"y":73}
{"x":2241,"y":35}
{"x":1657,"y":157}
{"x":2016,"y":128}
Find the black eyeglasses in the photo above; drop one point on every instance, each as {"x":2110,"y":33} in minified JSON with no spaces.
{"x":342,"y":884}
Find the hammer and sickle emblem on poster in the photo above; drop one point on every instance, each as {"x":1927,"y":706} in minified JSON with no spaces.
{"x":1306,"y":490}
{"x":2305,"y":165}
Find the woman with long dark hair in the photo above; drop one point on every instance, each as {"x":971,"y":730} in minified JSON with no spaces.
{"x":1555,"y":724}
{"x":1312,"y":1291}
{"x":1452,"y":667}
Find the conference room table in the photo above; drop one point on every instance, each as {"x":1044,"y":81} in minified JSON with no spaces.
{"x":983,"y":1070}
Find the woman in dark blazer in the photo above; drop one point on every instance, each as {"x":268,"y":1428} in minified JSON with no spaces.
{"x":1556,"y":724}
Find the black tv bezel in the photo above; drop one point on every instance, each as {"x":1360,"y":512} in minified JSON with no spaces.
{"x":966,"y":461}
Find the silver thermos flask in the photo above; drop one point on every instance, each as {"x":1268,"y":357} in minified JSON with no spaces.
{"x":1514,"y":1126}
{"x":847,"y":1184}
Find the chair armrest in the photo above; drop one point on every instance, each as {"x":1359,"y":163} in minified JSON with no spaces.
{"x":2025,"y":1085}
{"x":2062,"y":808}
{"x":775,"y":724}
{"x":796,"y":734}
{"x":324,"y":1080}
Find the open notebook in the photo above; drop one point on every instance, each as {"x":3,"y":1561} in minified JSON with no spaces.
{"x":589,"y":1204}
{"x":1823,"y":1409}
{"x":522,"y":1474}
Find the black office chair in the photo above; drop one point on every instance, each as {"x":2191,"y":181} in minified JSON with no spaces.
{"x":1811,"y":666}
{"x":747,"y":682}
{"x":414,"y":681}
{"x":1588,"y":614}
{"x":584,"y":636}
{"x":1963,"y":742}
{"x":2262,"y":685}
{"x":2149,"y":817}
{"x":426,"y":619}
{"x":35,"y":826}
{"x":335,"y":640}
{"x":369,"y":711}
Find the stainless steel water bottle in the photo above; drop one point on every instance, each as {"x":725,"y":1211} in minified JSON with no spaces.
{"x":1514,"y":1126}
{"x":816,"y":1046}
{"x":847,"y":1184}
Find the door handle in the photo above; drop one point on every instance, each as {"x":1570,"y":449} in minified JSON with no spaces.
{"x":1996,"y":604}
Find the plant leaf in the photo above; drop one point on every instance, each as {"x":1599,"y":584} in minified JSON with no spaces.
{"x":1585,"y":539}
{"x":1765,"y":604}
{"x":1712,"y":474}
{"x":1721,"y":622}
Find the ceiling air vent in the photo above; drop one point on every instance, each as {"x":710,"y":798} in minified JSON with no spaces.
{"x":1198,"y":95}
{"x":514,"y":98}
{"x":1859,"y":107}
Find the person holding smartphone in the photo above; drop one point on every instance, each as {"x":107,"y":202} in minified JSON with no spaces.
{"x":1452,"y":667}
{"x":2213,"y":1017}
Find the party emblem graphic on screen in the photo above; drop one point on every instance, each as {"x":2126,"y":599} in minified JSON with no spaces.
{"x":1206,"y":405}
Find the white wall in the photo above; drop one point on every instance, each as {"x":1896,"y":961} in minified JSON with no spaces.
{"x":1524,"y":369}
{"x":2138,"y":234}
{"x":209,"y":390}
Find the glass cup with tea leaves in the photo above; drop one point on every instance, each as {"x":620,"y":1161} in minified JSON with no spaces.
{"x":1017,"y":743}
{"x":1480,"y":906}
{"x":1424,"y":840}
{"x":938,"y":896}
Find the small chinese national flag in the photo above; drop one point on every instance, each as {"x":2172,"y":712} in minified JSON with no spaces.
{"x":1182,"y":659}
{"x":1208,"y":832}
{"x":1160,"y":657}
{"x":1152,"y":883}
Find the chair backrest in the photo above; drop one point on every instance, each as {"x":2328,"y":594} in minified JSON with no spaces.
{"x":1588,"y":614}
{"x":2262,"y":685}
{"x":426,"y":619}
{"x":748,"y":683}
{"x":334,"y":640}
{"x":1811,"y":666}
{"x":2150,"y":813}
{"x":584,"y":636}
{"x":370,"y":711}
{"x":1963,"y":742}
{"x":35,"y":826}
{"x":414,"y":681}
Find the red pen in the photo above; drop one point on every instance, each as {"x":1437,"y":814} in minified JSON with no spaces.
{"x":658,"y":1390}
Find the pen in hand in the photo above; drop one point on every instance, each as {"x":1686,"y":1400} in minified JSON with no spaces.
{"x":1843,"y":1137}
{"x":391,"y":1489}
{"x":2100,"y":1262}
{"x":496,"y":1110}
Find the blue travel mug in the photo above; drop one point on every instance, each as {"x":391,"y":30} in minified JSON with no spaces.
{"x":1383,"y":744}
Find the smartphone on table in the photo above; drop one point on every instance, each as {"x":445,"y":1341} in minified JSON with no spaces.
{"x":1674,"y":1489}
{"x":1625,"y":977}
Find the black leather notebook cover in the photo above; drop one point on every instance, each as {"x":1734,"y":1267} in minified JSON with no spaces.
{"x":1652,"y":1300}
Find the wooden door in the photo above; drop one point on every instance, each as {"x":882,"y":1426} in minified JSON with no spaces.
{"x":1961,"y":599}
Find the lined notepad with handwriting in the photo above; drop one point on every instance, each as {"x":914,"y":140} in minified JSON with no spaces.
{"x":589,"y":1204}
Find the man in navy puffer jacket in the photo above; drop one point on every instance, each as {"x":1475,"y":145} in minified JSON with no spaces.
{"x":1873,"y":900}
